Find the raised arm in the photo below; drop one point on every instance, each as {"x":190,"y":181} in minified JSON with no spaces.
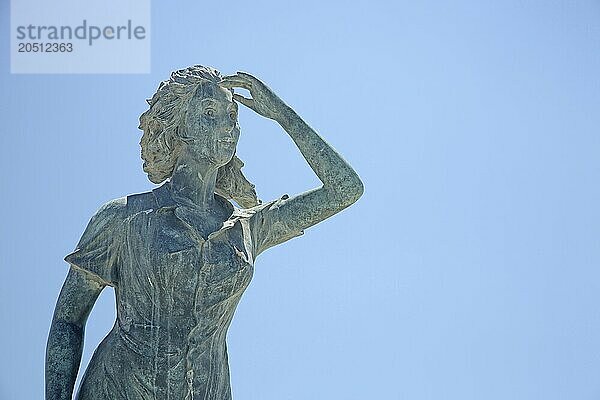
{"x":341,"y":185}
{"x":65,"y":341}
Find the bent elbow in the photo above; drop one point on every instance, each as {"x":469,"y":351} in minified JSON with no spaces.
{"x":357,"y":188}
{"x":350,"y":191}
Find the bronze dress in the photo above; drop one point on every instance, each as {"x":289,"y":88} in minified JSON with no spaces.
{"x":176,"y":293}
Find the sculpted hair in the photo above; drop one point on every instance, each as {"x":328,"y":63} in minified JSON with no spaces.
{"x":161,"y":142}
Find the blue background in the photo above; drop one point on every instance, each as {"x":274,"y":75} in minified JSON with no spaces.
{"x":468,"y":270}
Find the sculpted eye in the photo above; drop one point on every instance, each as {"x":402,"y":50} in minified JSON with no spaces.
{"x":233,"y":115}
{"x":209,"y":112}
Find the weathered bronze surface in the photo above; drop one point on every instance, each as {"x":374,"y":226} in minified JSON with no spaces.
{"x":180,"y":256}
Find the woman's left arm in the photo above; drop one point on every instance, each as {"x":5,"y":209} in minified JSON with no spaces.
{"x":341,"y":184}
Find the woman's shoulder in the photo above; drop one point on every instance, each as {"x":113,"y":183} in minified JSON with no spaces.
{"x":113,"y":206}
{"x":252,"y":211}
{"x":117,"y":210}
{"x":111,"y":210}
{"x":130,"y":204}
{"x":263,"y":206}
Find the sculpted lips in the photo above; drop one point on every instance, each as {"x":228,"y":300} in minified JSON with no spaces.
{"x":227,"y":140}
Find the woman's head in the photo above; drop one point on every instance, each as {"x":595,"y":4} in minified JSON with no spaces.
{"x":191,"y":112}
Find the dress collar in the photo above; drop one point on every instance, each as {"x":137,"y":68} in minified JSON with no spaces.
{"x":164,"y":198}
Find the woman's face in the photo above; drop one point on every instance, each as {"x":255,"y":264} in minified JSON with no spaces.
{"x":211,"y":128}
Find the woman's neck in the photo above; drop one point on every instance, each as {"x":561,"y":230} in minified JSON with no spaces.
{"x":194,"y":181}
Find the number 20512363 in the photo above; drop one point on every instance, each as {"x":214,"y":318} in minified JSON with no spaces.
{"x":41,"y":47}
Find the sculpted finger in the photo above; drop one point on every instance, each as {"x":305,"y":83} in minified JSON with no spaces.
{"x":250,"y":78}
{"x":234,"y":76}
{"x":247,"y":75}
{"x":245,"y":101}
{"x":227,"y":83}
{"x":235,"y":81}
{"x":242,"y":76}
{"x":230,"y":84}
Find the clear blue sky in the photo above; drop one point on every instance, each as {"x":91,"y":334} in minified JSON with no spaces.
{"x":468,"y":270}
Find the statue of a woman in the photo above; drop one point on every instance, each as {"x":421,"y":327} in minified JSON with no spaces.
{"x":180,"y":256}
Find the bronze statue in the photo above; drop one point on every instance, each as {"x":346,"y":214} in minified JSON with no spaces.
{"x":180,"y":256}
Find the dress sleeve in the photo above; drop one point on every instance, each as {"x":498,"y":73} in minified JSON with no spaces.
{"x":98,"y":252}
{"x":269,"y":227}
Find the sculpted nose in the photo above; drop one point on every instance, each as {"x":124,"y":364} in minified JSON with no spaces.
{"x":229,"y":127}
